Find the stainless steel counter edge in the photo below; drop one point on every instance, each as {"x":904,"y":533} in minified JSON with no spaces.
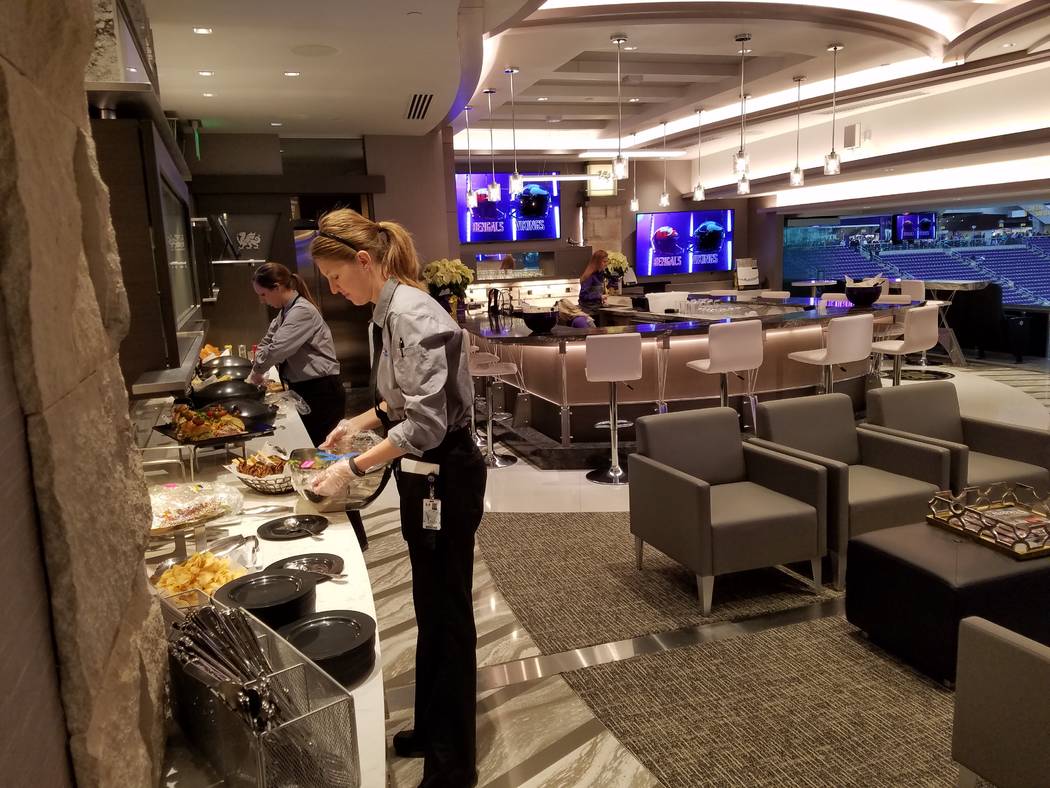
{"x":512,"y":330}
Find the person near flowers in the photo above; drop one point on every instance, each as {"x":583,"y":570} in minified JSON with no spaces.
{"x":592,"y":282}
{"x":423,"y":392}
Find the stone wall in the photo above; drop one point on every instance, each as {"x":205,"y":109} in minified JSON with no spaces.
{"x":66,"y":311}
{"x":601,"y":227}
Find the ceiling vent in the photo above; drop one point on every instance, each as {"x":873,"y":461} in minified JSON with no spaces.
{"x":418,"y":106}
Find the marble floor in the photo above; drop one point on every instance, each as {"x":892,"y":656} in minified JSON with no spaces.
{"x":535,"y":731}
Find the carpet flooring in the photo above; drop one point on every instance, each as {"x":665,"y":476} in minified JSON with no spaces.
{"x":571,"y":580}
{"x":810,"y":704}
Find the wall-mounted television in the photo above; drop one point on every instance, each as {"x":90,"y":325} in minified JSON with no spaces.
{"x":683,"y":242}
{"x":532,"y":215}
{"x":914,"y":227}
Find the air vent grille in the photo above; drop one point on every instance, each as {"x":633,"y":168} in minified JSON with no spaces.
{"x":418,"y":106}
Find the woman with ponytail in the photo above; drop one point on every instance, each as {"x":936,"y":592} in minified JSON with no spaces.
{"x":300,"y":345}
{"x":423,"y":393}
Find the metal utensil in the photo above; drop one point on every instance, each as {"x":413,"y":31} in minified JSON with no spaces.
{"x":267,"y":508}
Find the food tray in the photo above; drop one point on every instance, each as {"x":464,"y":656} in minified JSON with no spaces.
{"x":1009,"y":518}
{"x":257,"y":430}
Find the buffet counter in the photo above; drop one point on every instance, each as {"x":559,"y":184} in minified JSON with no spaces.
{"x":564,"y":405}
{"x":353,"y":593}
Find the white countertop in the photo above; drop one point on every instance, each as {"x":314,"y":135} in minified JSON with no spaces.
{"x":354,"y":593}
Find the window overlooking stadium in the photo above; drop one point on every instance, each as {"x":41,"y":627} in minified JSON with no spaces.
{"x":1008,"y":245}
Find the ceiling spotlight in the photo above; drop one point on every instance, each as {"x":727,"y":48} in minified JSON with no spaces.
{"x":630,"y":49}
{"x":132,"y":70}
{"x":207,"y":95}
{"x":517,"y":183}
{"x":543,"y":98}
{"x":276,"y":123}
{"x":832,"y":163}
{"x":293,"y":73}
{"x":745,"y":51}
{"x":1009,"y":46}
{"x":202,"y":31}
{"x":634,"y":100}
{"x":554,"y":120}
{"x":205,"y":73}
{"x":619,"y":163}
{"x":495,"y":193}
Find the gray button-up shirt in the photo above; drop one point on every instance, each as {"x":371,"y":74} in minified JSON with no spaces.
{"x":423,"y":374}
{"x":300,"y":340}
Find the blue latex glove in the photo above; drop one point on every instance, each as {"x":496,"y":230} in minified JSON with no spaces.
{"x":334,"y":479}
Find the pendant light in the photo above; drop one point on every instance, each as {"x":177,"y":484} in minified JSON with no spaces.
{"x":741,"y":161}
{"x":619,"y":163}
{"x":516,"y":181}
{"x":698,"y":190}
{"x":797,"y":176}
{"x":665,"y":198}
{"x":832,"y":163}
{"x":494,"y":192}
{"x":635,"y":205}
{"x":472,"y":196}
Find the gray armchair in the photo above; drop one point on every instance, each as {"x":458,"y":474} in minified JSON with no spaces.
{"x":982,"y":452}
{"x":703,"y":497}
{"x":874,"y":480}
{"x":1002,"y":707}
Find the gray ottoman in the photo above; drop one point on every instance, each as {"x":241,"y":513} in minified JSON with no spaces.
{"x":908,"y":588}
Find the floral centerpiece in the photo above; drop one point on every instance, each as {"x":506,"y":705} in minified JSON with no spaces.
{"x":448,"y":280}
{"x":615,"y":266}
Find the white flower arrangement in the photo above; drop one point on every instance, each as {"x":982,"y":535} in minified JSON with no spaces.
{"x":447,"y":277}
{"x":616,"y":265}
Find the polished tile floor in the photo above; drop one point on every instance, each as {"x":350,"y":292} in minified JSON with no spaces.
{"x":533,"y":730}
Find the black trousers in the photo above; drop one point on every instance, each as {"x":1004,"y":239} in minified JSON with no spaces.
{"x":327,"y":400}
{"x":442,"y":590}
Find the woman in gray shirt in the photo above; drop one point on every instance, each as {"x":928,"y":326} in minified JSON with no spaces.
{"x":423,"y":393}
{"x":300,"y":344}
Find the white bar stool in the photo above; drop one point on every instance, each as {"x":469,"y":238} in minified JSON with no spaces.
{"x":612,"y":359}
{"x":920,"y":334}
{"x":827,"y":295}
{"x":914,"y":289}
{"x":487,"y":370}
{"x":849,"y":339}
{"x":476,"y":358}
{"x":733,"y":348}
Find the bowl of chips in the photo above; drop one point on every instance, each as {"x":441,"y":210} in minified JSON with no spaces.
{"x":200,"y":572}
{"x":266,"y":471}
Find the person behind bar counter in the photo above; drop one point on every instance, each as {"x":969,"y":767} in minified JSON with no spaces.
{"x":423,"y":393}
{"x":592,"y":283}
{"x":300,"y":344}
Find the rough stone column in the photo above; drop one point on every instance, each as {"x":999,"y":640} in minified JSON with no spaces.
{"x":66,"y":312}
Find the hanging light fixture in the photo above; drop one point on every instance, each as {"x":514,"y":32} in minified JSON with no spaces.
{"x":494,"y":192}
{"x":472,"y":197}
{"x":635,"y":205}
{"x":741,"y":161}
{"x":832,"y":163}
{"x":517,"y":183}
{"x":797,"y":176}
{"x":619,"y":163}
{"x":665,"y":198}
{"x":698,"y":190}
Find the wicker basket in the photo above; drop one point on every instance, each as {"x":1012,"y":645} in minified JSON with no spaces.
{"x":269,"y":485}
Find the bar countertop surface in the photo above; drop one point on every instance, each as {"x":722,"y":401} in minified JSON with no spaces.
{"x":789,"y":313}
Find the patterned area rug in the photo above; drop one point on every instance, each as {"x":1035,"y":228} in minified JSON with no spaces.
{"x":811,"y":704}
{"x":571,"y":580}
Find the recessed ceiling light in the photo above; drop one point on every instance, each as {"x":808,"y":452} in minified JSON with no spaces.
{"x":276,"y":123}
{"x":629,"y":49}
{"x":744,"y":51}
{"x":205,"y":73}
{"x":202,"y":31}
{"x":633,"y":100}
{"x":207,"y":95}
{"x":554,"y":120}
{"x":132,"y":70}
{"x":542,"y":98}
{"x":293,"y":73}
{"x":1009,"y":46}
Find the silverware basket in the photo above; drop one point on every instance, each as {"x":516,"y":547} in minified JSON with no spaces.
{"x":315,"y":746}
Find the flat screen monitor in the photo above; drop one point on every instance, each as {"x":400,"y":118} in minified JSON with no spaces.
{"x":914,"y":227}
{"x":683,"y":242}
{"x":532,"y":215}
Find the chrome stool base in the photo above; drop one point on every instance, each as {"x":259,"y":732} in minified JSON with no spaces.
{"x":494,"y":460}
{"x":615,"y":476}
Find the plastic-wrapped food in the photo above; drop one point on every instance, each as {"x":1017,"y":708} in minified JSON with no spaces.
{"x":186,"y":505}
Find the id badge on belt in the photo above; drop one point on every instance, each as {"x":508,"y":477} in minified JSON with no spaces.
{"x":431,"y":504}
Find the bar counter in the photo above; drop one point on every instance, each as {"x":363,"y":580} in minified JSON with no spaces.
{"x":564,"y":405}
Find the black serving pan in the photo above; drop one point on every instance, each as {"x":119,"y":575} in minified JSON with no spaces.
{"x":341,"y":642}
{"x":250,"y":410}
{"x":252,"y":429}
{"x":226,"y":389}
{"x":222,"y":365}
{"x":278,"y":597}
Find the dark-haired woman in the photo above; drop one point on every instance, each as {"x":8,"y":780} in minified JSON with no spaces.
{"x":300,"y":345}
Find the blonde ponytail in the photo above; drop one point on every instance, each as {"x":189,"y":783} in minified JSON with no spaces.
{"x":344,"y":232}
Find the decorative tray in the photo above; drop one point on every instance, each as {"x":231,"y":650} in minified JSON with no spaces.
{"x":1007,"y":517}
